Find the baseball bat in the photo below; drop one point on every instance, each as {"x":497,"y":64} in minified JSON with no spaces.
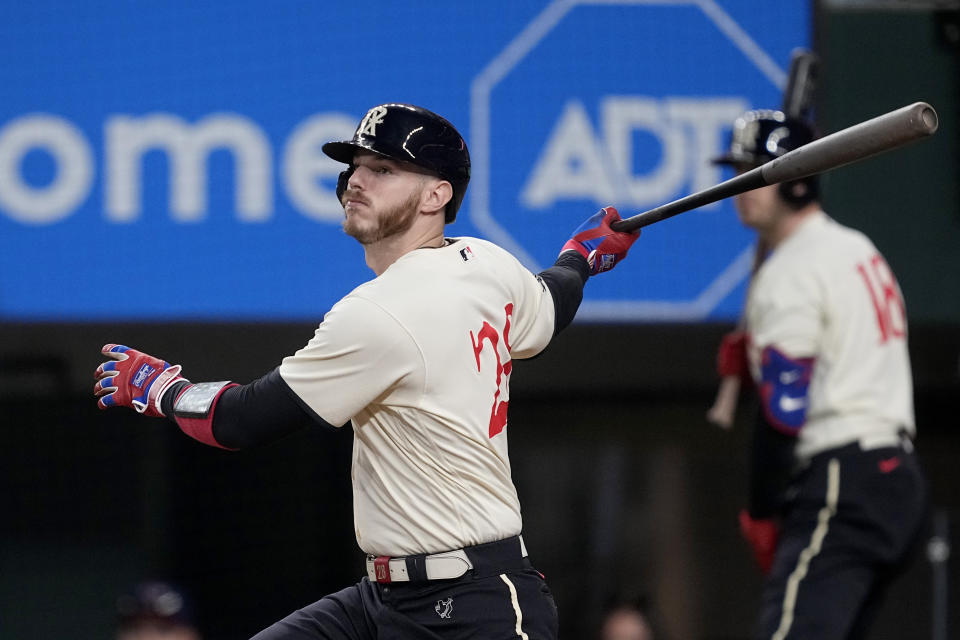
{"x":725,"y":404}
{"x":724,"y":408}
{"x":858,"y":142}
{"x":801,"y":84}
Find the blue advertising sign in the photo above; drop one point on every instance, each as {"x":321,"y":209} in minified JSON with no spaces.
{"x":163,"y":161}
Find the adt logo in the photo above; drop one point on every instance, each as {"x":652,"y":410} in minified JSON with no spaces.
{"x":579,"y":161}
{"x":596,"y":104}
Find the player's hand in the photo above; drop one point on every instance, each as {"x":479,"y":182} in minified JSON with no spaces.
{"x":732,"y":356}
{"x":133,"y":379}
{"x":598,"y":243}
{"x":762,"y":534}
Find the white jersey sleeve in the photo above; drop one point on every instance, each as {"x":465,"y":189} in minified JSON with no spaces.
{"x":785,"y":311}
{"x":356,"y":354}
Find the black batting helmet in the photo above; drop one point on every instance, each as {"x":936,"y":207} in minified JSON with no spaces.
{"x":412,"y":134}
{"x":762,"y":135}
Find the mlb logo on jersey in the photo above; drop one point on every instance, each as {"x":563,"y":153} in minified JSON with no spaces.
{"x":466,"y":253}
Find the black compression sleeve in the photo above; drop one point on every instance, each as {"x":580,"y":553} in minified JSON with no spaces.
{"x":565,"y":280}
{"x":252,"y":414}
{"x":170,"y":397}
{"x":771,"y":466}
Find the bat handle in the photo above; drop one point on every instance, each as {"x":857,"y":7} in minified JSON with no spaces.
{"x":724,"y":407}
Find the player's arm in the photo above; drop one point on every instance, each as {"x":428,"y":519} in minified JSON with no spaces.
{"x":783,"y":388}
{"x":565,"y":281}
{"x":783,"y":384}
{"x":220,"y":414}
{"x":593,"y":248}
{"x":771,"y":462}
{"x":233,"y":416}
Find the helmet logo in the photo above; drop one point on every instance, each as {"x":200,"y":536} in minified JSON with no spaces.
{"x":773,"y":140}
{"x":368,"y":126}
{"x":410,"y":135}
{"x":749,"y":132}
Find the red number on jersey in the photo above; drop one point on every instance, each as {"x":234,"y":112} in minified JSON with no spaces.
{"x":885,"y":295}
{"x":498,"y":413}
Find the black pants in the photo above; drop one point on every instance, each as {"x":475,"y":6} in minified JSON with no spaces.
{"x":851,"y":528}
{"x":485,"y":603}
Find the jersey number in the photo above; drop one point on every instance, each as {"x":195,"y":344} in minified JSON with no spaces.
{"x":885,"y":295}
{"x":498,"y":413}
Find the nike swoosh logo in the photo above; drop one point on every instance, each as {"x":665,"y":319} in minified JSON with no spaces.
{"x":789,"y":405}
{"x":789,"y":377}
{"x":888,"y":465}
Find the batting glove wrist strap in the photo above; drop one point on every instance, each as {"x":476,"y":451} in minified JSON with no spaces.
{"x":194,"y":408}
{"x":596,"y":241}
{"x":197,"y":400}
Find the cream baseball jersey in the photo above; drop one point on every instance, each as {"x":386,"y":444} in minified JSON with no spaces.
{"x":419,"y":359}
{"x":828,"y":339}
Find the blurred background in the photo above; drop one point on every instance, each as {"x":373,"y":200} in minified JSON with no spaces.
{"x":161,"y":186}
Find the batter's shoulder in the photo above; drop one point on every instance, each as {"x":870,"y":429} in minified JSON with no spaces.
{"x":835,"y":233}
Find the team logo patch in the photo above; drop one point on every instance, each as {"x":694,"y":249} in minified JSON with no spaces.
{"x":142,"y":374}
{"x":444,"y":607}
{"x":606,"y":262}
{"x":368,"y":126}
{"x":467,"y":254}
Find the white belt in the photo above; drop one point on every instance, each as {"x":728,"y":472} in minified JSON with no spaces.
{"x":883,"y":440}
{"x":439,"y":566}
{"x":865,"y":443}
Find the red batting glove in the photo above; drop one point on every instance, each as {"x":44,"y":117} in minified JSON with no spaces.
{"x":732,"y":356}
{"x":762,"y":534}
{"x":598,"y":243}
{"x":133,"y":379}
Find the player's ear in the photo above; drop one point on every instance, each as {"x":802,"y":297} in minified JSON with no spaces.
{"x":437,"y":193}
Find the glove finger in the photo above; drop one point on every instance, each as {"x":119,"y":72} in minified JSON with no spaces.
{"x":104,"y":386}
{"x":596,"y":218}
{"x":611,"y":214}
{"x":106,"y":369}
{"x":592,"y":234}
{"x":106,"y":402}
{"x":594,"y":227}
{"x":115,"y":351}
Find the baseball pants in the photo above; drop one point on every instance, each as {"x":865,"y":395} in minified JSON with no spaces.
{"x":851,"y":528}
{"x":494,"y":601}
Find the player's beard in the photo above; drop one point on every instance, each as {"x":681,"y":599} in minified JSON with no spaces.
{"x":391,"y":222}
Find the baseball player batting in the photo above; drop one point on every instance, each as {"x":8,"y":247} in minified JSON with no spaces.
{"x":837,"y":495}
{"x":419,"y":361}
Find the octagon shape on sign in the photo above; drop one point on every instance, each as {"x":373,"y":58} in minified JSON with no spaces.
{"x":699,"y":305}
